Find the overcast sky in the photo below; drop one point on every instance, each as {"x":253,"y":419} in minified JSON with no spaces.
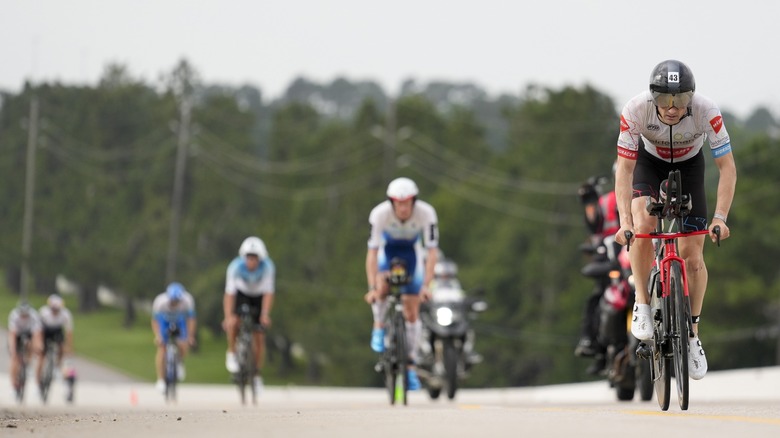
{"x":501,"y":46}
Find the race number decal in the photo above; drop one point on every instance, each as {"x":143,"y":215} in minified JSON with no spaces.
{"x":673,"y":77}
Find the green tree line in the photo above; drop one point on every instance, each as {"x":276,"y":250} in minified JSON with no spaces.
{"x":304,"y":172}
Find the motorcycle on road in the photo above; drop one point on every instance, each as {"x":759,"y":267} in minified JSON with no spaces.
{"x":447,"y":345}
{"x":611,"y":270}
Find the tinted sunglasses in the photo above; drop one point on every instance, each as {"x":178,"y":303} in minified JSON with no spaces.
{"x":679,"y":100}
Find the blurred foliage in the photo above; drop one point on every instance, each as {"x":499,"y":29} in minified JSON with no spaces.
{"x":304,"y":171}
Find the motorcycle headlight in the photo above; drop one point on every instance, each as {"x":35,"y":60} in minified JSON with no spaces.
{"x":444,"y":316}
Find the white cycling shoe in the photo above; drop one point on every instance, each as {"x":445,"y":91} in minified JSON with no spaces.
{"x":697,"y":361}
{"x":160,"y":386}
{"x":642,"y":322}
{"x":231,"y":363}
{"x":257,"y":382}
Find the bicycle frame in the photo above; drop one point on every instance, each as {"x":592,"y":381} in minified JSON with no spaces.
{"x":670,"y":305}
{"x":50,"y":363}
{"x":172,"y":358}
{"x":395,"y":358}
{"x":666,"y":253}
{"x":245,"y":352}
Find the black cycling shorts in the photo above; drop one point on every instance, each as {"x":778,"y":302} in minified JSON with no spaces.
{"x":255,"y":305}
{"x":55,"y":334}
{"x":651,"y":171}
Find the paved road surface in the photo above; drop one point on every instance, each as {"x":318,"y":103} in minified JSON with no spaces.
{"x":743,"y":403}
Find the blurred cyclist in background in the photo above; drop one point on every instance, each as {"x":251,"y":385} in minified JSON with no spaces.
{"x":24,"y":328}
{"x":397,"y":226}
{"x":602,"y":220}
{"x":57,"y":327}
{"x":174,"y":308}
{"x":250,"y":279}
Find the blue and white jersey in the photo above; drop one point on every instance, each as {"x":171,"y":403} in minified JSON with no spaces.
{"x":165,"y":309}
{"x":405,"y":239}
{"x":251,"y":283}
{"x":389,"y":231}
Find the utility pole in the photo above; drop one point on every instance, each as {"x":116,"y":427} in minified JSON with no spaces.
{"x":29,"y":193}
{"x":390,"y":142}
{"x":182,"y":147}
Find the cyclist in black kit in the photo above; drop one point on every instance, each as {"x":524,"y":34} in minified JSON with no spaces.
{"x":663,"y":129}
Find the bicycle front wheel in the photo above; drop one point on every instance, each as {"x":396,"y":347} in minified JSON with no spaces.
{"x":661,"y":362}
{"x":171,"y":372}
{"x":680,"y":325}
{"x":401,"y":382}
{"x":48,"y":376}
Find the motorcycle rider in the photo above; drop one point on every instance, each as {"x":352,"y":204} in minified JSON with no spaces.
{"x":602,"y":220}
{"x":446,"y":287}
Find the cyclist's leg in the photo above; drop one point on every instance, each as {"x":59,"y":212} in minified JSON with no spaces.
{"x":181,"y":340}
{"x":48,"y":335}
{"x":379,"y":307}
{"x":648,"y":174}
{"x":159,"y":357}
{"x":16,"y":361}
{"x":691,"y":250}
{"x":411,"y":303}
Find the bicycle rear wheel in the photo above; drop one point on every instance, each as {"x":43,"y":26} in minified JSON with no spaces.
{"x":679,"y":334}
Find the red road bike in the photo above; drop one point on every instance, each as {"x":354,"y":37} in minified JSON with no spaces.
{"x":670,"y":307}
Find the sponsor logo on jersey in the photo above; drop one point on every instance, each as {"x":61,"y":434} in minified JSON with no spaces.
{"x":626,"y":153}
{"x":666,"y":153}
{"x":652,"y":127}
{"x":623,"y":124}
{"x":716,"y":123}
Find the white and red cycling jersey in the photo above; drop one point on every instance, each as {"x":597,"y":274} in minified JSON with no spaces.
{"x":639,"y":119}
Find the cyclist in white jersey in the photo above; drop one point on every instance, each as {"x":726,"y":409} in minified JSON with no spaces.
{"x":250,"y":280}
{"x":57,"y":323}
{"x":397,"y":227}
{"x":23,"y":323}
{"x":174,"y":307}
{"x":664,"y":129}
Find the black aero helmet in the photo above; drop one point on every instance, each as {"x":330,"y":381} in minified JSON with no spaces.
{"x":672,"y":77}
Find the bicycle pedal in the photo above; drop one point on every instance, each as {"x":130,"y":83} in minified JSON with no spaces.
{"x":643,"y":351}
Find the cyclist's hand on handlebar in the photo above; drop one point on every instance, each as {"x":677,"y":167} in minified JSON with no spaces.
{"x":371,"y":296}
{"x":621,"y":236}
{"x":229,"y":321}
{"x":265,"y":321}
{"x":719,"y":231}
{"x":425,"y":294}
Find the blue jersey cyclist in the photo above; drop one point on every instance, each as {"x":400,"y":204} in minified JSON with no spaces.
{"x":399,"y":226}
{"x":250,"y":279}
{"x":663,"y":129}
{"x":173,"y":312}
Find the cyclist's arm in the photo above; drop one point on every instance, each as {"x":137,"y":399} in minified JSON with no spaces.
{"x":268,"y":304}
{"x":430,"y":263}
{"x":68,"y":345}
{"x":624,"y":182}
{"x":228,"y":304}
{"x":12,"y":342}
{"x":727,"y":182}
{"x":156,"y":330}
{"x":192,"y":324}
{"x":371,"y":268}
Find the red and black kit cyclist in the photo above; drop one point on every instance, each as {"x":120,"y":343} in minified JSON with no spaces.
{"x":663,"y":129}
